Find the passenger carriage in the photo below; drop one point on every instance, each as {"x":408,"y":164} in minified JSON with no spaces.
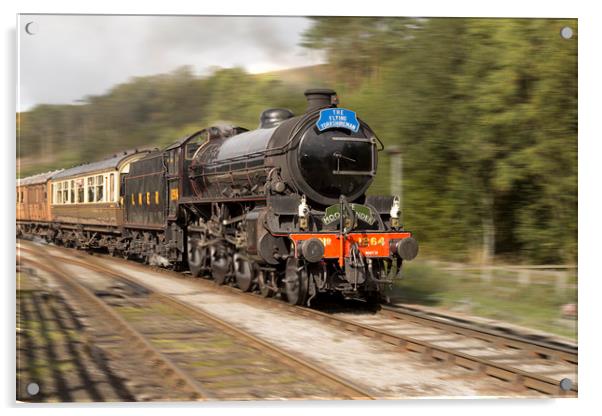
{"x":88,"y":199}
{"x":32,"y":205}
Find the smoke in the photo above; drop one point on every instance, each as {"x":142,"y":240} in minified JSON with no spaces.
{"x":73,"y":56}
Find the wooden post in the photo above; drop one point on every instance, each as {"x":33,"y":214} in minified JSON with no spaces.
{"x":396,"y":173}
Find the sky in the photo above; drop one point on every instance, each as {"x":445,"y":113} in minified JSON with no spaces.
{"x":69,"y":57}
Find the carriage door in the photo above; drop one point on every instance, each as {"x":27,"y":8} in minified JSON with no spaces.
{"x":173,"y":183}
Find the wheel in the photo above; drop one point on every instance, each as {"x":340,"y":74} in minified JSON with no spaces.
{"x":296,"y":282}
{"x":244,"y":271}
{"x":264,"y":284}
{"x":220,"y":265}
{"x":197,"y":256}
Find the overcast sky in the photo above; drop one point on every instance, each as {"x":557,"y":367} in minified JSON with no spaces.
{"x":70,"y":57}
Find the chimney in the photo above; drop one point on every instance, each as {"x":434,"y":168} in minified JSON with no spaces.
{"x":318,"y":98}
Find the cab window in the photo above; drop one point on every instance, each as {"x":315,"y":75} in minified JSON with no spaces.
{"x":193,"y":145}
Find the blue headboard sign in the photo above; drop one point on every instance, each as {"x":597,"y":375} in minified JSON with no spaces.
{"x":338,"y":118}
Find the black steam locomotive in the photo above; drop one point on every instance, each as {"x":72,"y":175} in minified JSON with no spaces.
{"x":281,"y":209}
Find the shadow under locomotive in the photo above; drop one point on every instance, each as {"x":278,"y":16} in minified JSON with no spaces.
{"x":281,"y":209}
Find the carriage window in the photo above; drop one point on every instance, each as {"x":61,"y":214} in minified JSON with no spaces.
{"x":99,"y":187}
{"x":72,"y":192}
{"x":59,"y":193}
{"x":90,"y":189}
{"x":80,"y":190}
{"x":65,"y":192}
{"x":111,"y":187}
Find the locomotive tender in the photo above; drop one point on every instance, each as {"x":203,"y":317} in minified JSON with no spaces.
{"x":281,"y":209}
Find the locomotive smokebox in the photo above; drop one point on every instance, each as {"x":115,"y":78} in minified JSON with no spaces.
{"x":318,"y":98}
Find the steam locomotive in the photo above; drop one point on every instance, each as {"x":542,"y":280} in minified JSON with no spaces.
{"x":281,"y":209}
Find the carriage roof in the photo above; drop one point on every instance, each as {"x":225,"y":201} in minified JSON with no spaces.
{"x":111,"y":163}
{"x":37,"y":179}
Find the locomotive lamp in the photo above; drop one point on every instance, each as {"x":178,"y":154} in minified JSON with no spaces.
{"x":395,"y":212}
{"x":303,"y":213}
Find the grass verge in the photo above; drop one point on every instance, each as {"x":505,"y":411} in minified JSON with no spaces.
{"x":502,"y":298}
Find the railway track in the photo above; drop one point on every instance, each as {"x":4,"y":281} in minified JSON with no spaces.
{"x":200,"y":355}
{"x":525,"y":364}
{"x":522,"y":362}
